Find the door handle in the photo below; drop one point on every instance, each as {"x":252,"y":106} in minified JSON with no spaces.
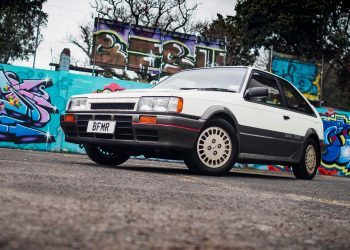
{"x":286,"y":117}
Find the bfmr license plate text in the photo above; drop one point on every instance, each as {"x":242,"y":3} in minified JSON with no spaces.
{"x":104,"y":127}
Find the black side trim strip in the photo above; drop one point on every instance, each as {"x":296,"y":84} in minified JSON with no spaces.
{"x":270,"y":134}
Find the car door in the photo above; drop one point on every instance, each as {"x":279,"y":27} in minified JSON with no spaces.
{"x":263,"y":129}
{"x":300,"y":115}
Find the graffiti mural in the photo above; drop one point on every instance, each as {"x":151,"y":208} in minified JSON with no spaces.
{"x":113,"y":87}
{"x":153,"y":50}
{"x":25,"y":107}
{"x":305,"y":76}
{"x":31,"y":101}
{"x":336,"y":126}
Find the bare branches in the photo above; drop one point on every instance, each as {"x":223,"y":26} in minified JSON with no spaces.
{"x":173,"y":15}
{"x":84,"y":39}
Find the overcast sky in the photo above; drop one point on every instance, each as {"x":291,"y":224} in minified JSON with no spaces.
{"x":66,"y":15}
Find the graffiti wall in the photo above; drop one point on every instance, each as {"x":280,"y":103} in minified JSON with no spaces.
{"x":336,"y":159}
{"x":32,"y":100}
{"x":153,"y":50}
{"x":305,"y":76}
{"x":25,"y":108}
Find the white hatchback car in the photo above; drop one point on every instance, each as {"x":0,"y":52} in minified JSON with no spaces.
{"x":209,"y":117}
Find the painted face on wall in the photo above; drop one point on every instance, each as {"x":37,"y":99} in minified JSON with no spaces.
{"x":113,"y":87}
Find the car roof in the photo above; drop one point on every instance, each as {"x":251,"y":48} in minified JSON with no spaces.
{"x":238,"y":66}
{"x":215,"y":67}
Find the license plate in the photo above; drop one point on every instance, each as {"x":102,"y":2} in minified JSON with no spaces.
{"x":101,"y":127}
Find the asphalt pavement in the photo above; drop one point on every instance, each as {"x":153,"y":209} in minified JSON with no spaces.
{"x":64,"y":201}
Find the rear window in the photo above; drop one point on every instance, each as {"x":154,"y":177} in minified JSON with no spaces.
{"x":294,"y":99}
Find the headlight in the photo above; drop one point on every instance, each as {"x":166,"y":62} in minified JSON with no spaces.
{"x":160,"y":104}
{"x":77,"y":104}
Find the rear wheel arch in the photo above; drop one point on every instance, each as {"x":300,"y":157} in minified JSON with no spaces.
{"x":306,"y":169}
{"x":312,"y":134}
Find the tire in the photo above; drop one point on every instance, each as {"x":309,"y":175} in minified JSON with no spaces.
{"x":105,"y":155}
{"x":215,"y":150}
{"x":311,"y":159}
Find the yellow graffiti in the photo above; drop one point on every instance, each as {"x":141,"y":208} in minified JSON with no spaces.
{"x":316,"y":83}
{"x":343,"y":169}
{"x":336,"y":118}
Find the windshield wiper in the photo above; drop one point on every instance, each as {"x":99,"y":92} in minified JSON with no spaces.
{"x":187,"y":88}
{"x":211,"y":89}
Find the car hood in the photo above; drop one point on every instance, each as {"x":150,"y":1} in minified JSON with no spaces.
{"x":137,"y":93}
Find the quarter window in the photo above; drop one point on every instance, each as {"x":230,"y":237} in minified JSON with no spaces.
{"x":294,"y":99}
{"x":274,"y":97}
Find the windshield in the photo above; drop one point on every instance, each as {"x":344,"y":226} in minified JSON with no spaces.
{"x":216,"y":79}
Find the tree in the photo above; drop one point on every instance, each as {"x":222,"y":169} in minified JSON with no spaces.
{"x":84,"y":39}
{"x":19,"y":21}
{"x":173,"y":15}
{"x":238,"y":53}
{"x":311,"y":29}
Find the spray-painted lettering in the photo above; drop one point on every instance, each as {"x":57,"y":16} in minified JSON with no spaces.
{"x":152,"y":50}
{"x":24,"y":108}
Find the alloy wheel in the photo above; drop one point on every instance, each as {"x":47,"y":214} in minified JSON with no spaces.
{"x":214,"y":147}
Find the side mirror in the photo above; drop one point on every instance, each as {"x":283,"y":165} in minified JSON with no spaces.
{"x":256,"y":92}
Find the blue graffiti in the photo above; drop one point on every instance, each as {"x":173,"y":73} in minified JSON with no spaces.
{"x":337,"y":138}
{"x":302,"y":75}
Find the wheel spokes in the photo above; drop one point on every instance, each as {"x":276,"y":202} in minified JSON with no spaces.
{"x":310,"y":159}
{"x":214,"y":147}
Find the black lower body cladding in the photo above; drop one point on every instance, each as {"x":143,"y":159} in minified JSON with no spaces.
{"x":169,"y":132}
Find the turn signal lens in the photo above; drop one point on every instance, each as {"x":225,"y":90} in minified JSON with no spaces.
{"x":180,"y":104}
{"x":148,"y":119}
{"x":69,"y":118}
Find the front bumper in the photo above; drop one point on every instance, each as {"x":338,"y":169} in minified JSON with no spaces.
{"x":170,"y":132}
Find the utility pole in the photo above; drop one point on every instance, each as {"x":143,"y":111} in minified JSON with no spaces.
{"x":36,"y":41}
{"x":271,"y":57}
{"x":321,"y":82}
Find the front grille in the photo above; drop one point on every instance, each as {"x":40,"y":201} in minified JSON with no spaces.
{"x":123,"y":130}
{"x":113,"y":106}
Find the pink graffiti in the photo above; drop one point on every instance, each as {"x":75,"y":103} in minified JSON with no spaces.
{"x":113,"y":87}
{"x":33,"y":94}
{"x":27,"y":97}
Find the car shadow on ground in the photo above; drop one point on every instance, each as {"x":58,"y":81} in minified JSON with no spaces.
{"x":248,"y":173}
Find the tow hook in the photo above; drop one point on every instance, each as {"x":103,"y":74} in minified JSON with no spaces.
{"x":81,"y":145}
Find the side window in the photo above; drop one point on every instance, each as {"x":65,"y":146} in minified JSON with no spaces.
{"x":294,"y":99}
{"x":259,"y":80}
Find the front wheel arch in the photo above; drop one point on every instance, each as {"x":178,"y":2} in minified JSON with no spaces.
{"x":218,"y":111}
{"x":193,"y":161}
